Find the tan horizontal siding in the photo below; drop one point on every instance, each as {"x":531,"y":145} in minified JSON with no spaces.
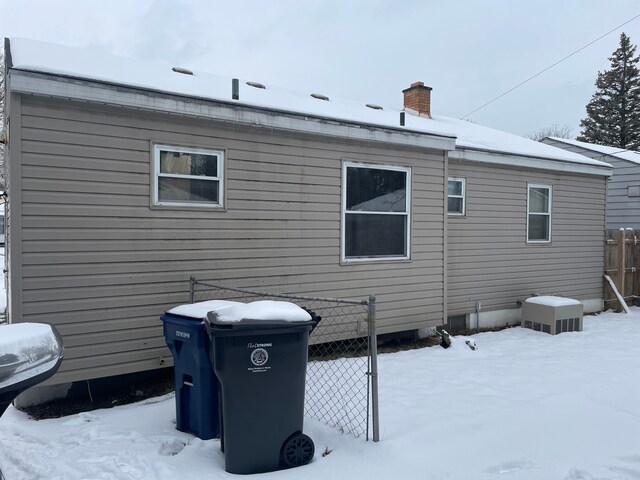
{"x":102,"y":265}
{"x":488,"y":257}
{"x":111,"y":364}
{"x":129,"y":124}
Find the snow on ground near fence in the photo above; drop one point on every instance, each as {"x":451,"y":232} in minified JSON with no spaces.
{"x":524,"y":405}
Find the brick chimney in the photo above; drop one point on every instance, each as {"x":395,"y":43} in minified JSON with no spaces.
{"x":418,"y":99}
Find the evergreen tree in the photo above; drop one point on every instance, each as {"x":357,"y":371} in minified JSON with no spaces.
{"x":613,"y":114}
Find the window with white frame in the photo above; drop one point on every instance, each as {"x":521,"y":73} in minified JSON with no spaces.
{"x":375,"y":211}
{"x":539,"y":214}
{"x":187,"y":176}
{"x":455,"y":196}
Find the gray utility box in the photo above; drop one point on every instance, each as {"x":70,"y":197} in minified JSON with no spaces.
{"x":552,"y":314}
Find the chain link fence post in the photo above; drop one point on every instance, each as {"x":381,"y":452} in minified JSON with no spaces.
{"x":373,"y":346}
{"x":192,"y":288}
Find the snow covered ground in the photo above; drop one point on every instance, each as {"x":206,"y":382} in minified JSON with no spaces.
{"x":524,"y":405}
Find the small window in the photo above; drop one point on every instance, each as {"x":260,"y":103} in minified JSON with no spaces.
{"x":375,"y":212}
{"x":539,"y":214}
{"x":633,"y":191}
{"x":455,"y":200}
{"x":187,"y":176}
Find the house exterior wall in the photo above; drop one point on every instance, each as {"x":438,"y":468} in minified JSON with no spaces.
{"x":93,"y":258}
{"x":488,"y":257}
{"x":623,"y":211}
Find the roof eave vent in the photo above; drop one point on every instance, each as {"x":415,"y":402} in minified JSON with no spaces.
{"x":184,"y":71}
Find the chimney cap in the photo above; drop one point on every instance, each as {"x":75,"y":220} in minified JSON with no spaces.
{"x":417,"y":85}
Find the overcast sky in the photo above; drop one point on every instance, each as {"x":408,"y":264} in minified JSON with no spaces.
{"x":367,"y":50}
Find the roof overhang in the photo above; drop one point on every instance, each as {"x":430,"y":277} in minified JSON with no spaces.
{"x":57,"y":86}
{"x":537,"y":163}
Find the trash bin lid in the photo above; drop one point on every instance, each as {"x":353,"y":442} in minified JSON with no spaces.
{"x":199,"y":310}
{"x":261,"y":313}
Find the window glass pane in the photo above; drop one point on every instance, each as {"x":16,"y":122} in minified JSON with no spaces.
{"x":1,"y":224}
{"x":376,"y":190}
{"x":181,"y":163}
{"x":538,"y":200}
{"x":455,"y":187}
{"x":375,"y":235}
{"x":187,"y":190}
{"x":455,"y":205}
{"x":539,"y":227}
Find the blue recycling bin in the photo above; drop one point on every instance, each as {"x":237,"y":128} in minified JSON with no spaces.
{"x":196,"y":385}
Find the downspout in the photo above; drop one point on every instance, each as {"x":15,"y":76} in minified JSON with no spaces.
{"x":623,"y":304}
{"x":4,"y":52}
{"x":4,"y":140}
{"x":445,"y":241}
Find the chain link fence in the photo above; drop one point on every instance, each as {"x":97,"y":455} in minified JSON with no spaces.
{"x":342,"y":384}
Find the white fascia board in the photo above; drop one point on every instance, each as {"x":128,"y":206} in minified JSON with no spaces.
{"x":529,"y":162}
{"x":107,"y":94}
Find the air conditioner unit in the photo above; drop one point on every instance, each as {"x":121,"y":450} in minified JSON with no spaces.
{"x":552,"y":315}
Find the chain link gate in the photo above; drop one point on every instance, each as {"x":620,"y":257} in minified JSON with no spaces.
{"x":342,"y":381}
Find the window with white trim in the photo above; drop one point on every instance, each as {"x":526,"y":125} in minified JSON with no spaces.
{"x":455,"y":196}
{"x":539,"y":214}
{"x":376,"y":208}
{"x":187,"y":176}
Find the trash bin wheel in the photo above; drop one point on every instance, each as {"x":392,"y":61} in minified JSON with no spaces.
{"x":298,"y":450}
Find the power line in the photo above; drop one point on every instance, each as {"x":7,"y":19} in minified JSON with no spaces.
{"x":549,"y":67}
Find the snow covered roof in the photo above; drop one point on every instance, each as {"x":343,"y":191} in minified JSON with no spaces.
{"x":89,"y":64}
{"x":616,"y":152}
{"x":391,"y":202}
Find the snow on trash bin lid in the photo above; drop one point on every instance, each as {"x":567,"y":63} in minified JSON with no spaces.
{"x":200,"y":309}
{"x":263,"y":310}
{"x":552,"y":301}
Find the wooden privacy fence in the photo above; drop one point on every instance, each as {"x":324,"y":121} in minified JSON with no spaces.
{"x":622,"y":264}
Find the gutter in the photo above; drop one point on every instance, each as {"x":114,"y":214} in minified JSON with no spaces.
{"x":515,"y":160}
{"x":58,"y":86}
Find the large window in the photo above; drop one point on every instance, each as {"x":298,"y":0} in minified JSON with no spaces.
{"x":539,"y":214}
{"x":188,"y":176}
{"x":455,"y":198}
{"x":375,"y":212}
